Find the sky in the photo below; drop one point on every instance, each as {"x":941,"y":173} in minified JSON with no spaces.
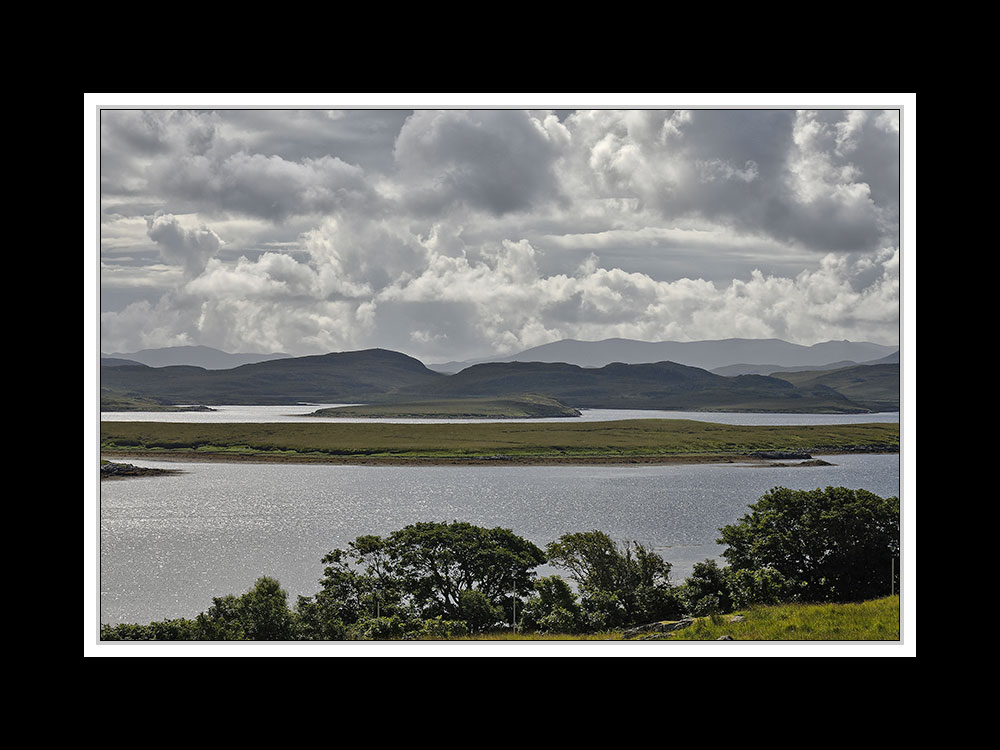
{"x":450,"y":233}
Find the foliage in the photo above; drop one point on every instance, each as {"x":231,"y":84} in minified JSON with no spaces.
{"x":261,"y":614}
{"x":553,"y":608}
{"x":706,"y":590}
{"x":835,"y":544}
{"x":454,"y":572}
{"x":439,"y":629}
{"x":618,"y":587}
{"x":434,"y":563}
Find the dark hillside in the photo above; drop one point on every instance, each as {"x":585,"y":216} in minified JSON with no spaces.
{"x":660,"y":385}
{"x":340,"y":377}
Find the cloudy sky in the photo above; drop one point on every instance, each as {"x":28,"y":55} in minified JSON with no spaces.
{"x":456,"y":233}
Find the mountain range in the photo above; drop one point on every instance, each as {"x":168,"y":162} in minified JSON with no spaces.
{"x":707,"y":355}
{"x":382,"y":376}
{"x":194,"y":356}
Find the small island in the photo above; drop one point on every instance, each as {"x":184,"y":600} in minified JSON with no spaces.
{"x":114,"y":470}
{"x":524,"y":406}
{"x":126,"y":403}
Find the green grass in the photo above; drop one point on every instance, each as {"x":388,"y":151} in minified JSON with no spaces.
{"x":516,"y":440}
{"x":876,"y":620}
{"x":508,"y":636}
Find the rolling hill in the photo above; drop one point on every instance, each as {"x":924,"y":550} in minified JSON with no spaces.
{"x":876,"y":387}
{"x":660,"y":385}
{"x":345,"y":377}
{"x":379,"y":376}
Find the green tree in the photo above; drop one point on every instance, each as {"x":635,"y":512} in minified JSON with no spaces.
{"x":554,"y":608}
{"x":835,"y":544}
{"x":261,"y":614}
{"x":618,"y":587}
{"x":706,"y":590}
{"x":456,"y":572}
{"x":264,"y":613}
{"x":434,"y":563}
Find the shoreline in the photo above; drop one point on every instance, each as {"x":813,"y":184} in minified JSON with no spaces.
{"x":680,"y":459}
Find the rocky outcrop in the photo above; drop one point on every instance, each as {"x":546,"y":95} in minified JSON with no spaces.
{"x":655,"y":628}
{"x":111,"y":470}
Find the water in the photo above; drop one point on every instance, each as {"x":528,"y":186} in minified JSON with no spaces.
{"x":299,"y":413}
{"x":169,"y":544}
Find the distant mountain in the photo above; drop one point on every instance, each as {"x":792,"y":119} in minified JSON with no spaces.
{"x":745,"y":369}
{"x":707,"y":355}
{"x":346,"y":377}
{"x":660,"y":385}
{"x":194,"y":356}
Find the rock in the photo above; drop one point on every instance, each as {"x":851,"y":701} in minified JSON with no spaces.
{"x":780,"y":454}
{"x":737,"y":618}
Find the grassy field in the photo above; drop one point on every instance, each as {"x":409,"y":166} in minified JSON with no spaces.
{"x":517,"y":441}
{"x":527,"y":406}
{"x":876,"y":620}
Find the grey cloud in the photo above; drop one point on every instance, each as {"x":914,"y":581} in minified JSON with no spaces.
{"x":191,"y":248}
{"x":268,"y":186}
{"x":499,"y":161}
{"x":824,"y":180}
{"x":360,"y":137}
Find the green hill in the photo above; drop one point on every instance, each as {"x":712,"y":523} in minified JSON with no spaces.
{"x":876,"y":387}
{"x":381,"y":376}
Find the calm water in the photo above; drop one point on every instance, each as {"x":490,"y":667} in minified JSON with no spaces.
{"x":169,"y":544}
{"x":300,"y":414}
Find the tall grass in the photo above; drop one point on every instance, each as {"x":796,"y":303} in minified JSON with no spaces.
{"x":876,"y":620}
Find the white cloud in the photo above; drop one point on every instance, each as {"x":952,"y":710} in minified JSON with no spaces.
{"x":473,"y":231}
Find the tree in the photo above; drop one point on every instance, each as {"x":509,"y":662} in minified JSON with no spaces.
{"x":434,"y":563}
{"x":706,"y":590}
{"x":553,"y":608}
{"x":618,"y":587}
{"x":835,"y":544}
{"x":264,"y":613}
{"x":261,"y":614}
{"x":456,"y":572}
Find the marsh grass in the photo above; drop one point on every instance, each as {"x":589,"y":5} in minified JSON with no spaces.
{"x":626,"y":438}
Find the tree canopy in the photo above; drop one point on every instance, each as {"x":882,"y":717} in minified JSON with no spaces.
{"x":833,"y":544}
